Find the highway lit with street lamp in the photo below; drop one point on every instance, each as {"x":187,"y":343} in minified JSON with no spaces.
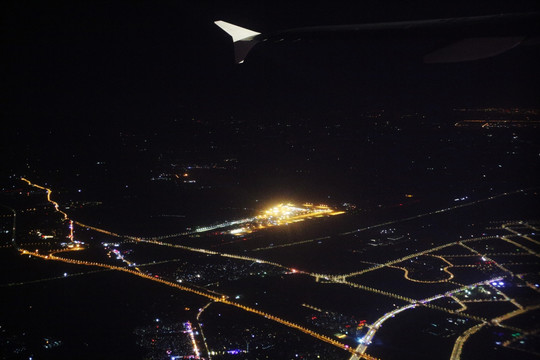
{"x":288,"y":213}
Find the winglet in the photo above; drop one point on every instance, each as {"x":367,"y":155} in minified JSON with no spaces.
{"x":243,"y":39}
{"x":238,"y":33}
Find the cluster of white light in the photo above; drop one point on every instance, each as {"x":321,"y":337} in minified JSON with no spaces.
{"x":189,"y":330}
{"x":283,"y":211}
{"x":283,"y":214}
{"x":222,"y":225}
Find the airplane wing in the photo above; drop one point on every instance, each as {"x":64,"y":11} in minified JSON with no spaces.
{"x":243,"y":39}
{"x":460,"y":39}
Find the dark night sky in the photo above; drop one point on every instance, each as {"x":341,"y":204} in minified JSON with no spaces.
{"x":101,"y":63}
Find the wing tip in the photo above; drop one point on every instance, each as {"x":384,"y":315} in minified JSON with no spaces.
{"x":243,"y":39}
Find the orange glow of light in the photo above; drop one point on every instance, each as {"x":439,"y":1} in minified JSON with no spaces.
{"x":285,"y":214}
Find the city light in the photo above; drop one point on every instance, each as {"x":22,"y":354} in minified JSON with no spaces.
{"x":287,"y":213}
{"x":284,"y":214}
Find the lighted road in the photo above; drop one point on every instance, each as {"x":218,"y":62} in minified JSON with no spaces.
{"x":507,"y":239}
{"x":523,"y":310}
{"x":60,"y":277}
{"x":201,"y":310}
{"x":68,"y":275}
{"x":386,"y":223}
{"x":458,"y":346}
{"x":460,"y":341}
{"x":520,"y":233}
{"x":340,"y":279}
{"x":366,"y":340}
{"x":223,"y":299}
{"x":206,"y":294}
{"x":404,"y":258}
{"x":49,"y":192}
{"x":189,"y":330}
{"x":444,"y":269}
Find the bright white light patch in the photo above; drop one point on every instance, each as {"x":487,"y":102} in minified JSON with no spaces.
{"x":238,"y":33}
